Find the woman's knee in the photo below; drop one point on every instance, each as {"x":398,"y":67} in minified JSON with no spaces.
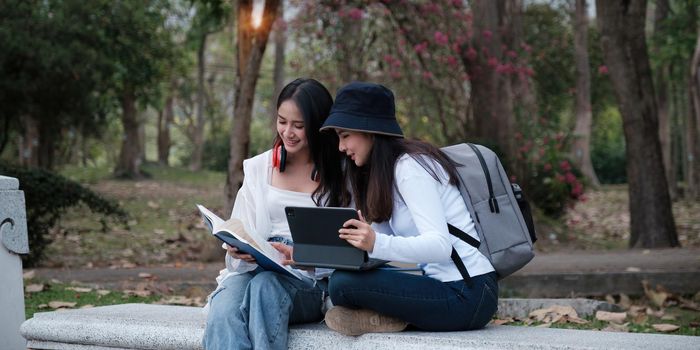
{"x":340,"y":281}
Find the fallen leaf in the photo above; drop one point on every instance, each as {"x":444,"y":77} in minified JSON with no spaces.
{"x":614,"y":327}
{"x":499,"y":321}
{"x":159,"y":231}
{"x":633,"y":269}
{"x":87,"y":306}
{"x":42,"y":306}
{"x":145,"y":275}
{"x":668,"y":317}
{"x":28,"y":275}
{"x":656,"y":297}
{"x":610,"y":299}
{"x":103,"y":292}
{"x":637,"y":310}
{"x":61,"y":304}
{"x":625,"y":301}
{"x":665,"y":327}
{"x":34,"y":288}
{"x":616,"y":317}
{"x":689,"y":305}
{"x":153,"y":205}
{"x":658,"y":314}
{"x":80,"y":289}
{"x":138,"y":293}
{"x":556,"y":313}
{"x":640,"y":318}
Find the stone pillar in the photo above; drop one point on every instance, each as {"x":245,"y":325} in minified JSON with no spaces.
{"x":13,"y":235}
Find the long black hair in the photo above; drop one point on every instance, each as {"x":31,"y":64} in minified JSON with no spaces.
{"x":373,"y":183}
{"x":314,"y":102}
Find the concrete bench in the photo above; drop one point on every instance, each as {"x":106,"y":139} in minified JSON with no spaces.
{"x":141,"y":326}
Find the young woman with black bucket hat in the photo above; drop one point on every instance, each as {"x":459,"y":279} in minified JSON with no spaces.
{"x":406,"y":192}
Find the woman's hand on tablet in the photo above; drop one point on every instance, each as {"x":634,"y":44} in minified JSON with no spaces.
{"x":358,"y":233}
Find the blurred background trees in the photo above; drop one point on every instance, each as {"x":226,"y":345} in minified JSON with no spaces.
{"x":193,"y":83}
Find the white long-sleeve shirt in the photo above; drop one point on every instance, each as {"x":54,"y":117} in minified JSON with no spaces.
{"x":417,"y":230}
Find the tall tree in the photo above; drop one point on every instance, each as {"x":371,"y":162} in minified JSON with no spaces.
{"x":165,"y":122}
{"x":693,"y":128}
{"x":492,"y":94}
{"x":250,"y":46}
{"x":278,"y":76}
{"x":625,"y":53}
{"x":661,"y":13}
{"x":142,"y":48}
{"x":581,"y":146}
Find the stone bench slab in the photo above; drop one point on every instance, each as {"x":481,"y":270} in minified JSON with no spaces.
{"x":143,"y":326}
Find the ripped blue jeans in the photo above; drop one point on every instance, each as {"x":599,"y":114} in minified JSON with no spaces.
{"x":254,"y":310}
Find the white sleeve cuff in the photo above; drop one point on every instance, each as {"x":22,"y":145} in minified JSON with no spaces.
{"x":381,"y":246}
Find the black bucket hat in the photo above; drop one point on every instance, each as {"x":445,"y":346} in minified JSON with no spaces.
{"x":364,"y":107}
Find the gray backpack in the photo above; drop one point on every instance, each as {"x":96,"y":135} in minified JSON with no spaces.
{"x":501,"y":214}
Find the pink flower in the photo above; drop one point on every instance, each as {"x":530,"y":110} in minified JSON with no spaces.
{"x":420,"y":48}
{"x":427,"y":75}
{"x":603,"y":70}
{"x":513,"y":178}
{"x":541,"y":151}
{"x":471,"y":54}
{"x":451,"y":60}
{"x":355,"y":14}
{"x":577,"y":190}
{"x":512,"y":54}
{"x":395,"y":74}
{"x":527,"y":48}
{"x":547,"y":167}
{"x":441,"y":38}
{"x":487,"y":35}
{"x":564,"y":165}
{"x":570,"y":178}
{"x":493,"y":62}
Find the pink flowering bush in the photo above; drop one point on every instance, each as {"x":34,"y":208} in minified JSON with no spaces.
{"x":551,"y":180}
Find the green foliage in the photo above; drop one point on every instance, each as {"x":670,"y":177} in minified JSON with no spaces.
{"x":549,"y":31}
{"x":47,"y":197}
{"x":608,"y":147}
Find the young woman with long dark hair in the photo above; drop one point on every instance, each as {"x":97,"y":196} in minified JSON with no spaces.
{"x":407,"y":193}
{"x":252,"y":308}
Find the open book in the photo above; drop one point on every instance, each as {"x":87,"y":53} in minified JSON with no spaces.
{"x":233,"y":233}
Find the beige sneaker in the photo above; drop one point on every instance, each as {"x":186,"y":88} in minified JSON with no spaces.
{"x":357,"y":322}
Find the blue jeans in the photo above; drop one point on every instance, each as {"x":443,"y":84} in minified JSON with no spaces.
{"x":423,"y":302}
{"x":253,"y":310}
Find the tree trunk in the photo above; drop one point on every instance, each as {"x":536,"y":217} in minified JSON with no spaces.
{"x":493,"y":99}
{"x":142,"y":138}
{"x":165,"y":120}
{"x":198,"y":130}
{"x":129,"y":162}
{"x":251,"y":46}
{"x":625,"y":54}
{"x":278,"y":76}
{"x":693,"y":129}
{"x":581,"y":147}
{"x":29,"y":142}
{"x":662,"y":76}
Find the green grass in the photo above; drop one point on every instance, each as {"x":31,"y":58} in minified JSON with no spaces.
{"x":34,"y":302}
